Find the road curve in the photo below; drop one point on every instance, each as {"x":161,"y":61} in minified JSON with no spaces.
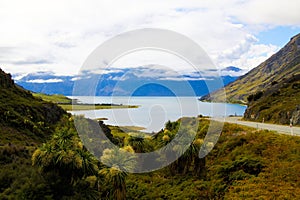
{"x":295,"y":131}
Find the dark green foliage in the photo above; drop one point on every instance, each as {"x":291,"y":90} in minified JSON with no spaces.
{"x":172,"y":126}
{"x":64,"y":161}
{"x":278,"y":104}
{"x":25,"y":122}
{"x":255,"y":97}
{"x":28,"y":116}
{"x":18,"y":179}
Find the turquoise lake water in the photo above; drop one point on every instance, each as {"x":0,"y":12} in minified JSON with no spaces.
{"x":154,"y":112}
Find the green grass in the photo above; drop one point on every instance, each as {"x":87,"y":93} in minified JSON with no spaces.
{"x":66,"y":103}
{"x":132,"y":128}
{"x":55,"y":98}
{"x":94,"y":107}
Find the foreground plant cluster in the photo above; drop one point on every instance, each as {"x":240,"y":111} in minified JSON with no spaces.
{"x":245,"y":163}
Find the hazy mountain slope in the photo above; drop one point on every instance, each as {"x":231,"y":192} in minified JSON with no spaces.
{"x":279,"y":67}
{"x":24,"y":118}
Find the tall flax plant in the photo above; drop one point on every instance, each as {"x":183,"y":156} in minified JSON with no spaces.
{"x":65,"y":157}
{"x":120,"y":161}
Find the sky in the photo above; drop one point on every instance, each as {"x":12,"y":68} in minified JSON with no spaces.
{"x":58,"y":36}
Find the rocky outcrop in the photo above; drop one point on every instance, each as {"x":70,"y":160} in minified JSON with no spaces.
{"x":5,"y":80}
{"x":295,"y":119}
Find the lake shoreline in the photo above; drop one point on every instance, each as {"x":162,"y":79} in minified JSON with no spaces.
{"x":153,"y":112}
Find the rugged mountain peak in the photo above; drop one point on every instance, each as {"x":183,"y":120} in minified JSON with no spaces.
{"x":295,"y":38}
{"x":296,"y":41}
{"x":5,"y":80}
{"x":280,"y":61}
{"x":279,"y":67}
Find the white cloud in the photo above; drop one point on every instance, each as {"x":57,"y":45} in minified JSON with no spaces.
{"x":268,"y":12}
{"x":237,"y":51}
{"x":54,"y":80}
{"x":233,"y":73}
{"x":58,"y":35}
{"x":76,"y":78}
{"x":185,"y":79}
{"x":247,"y":54}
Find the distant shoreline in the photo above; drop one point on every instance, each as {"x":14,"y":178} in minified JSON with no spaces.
{"x":70,"y":104}
{"x":78,"y":107}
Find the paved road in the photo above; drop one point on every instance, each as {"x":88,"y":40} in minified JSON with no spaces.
{"x":273,"y":127}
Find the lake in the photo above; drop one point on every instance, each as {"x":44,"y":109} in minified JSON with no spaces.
{"x":154,"y":112}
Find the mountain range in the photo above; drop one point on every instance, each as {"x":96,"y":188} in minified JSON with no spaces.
{"x":140,"y":81}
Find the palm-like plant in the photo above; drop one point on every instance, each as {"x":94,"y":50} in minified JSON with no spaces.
{"x":137,"y":143}
{"x":188,"y":153}
{"x":199,"y":168}
{"x":65,"y":155}
{"x":117,"y":178}
{"x":120,"y":161}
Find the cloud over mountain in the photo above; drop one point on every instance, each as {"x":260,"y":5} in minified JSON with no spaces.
{"x":144,"y":80}
{"x":58,"y":36}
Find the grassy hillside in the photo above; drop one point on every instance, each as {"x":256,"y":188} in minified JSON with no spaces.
{"x":281,"y":66}
{"x":55,"y":98}
{"x":25,"y":122}
{"x":244,"y":164}
{"x":278,"y":104}
{"x":24,"y":116}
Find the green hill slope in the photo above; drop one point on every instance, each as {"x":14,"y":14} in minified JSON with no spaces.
{"x":25,"y":122}
{"x":24,"y":118}
{"x":279,"y":103}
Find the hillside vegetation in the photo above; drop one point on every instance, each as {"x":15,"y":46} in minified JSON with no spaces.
{"x":24,"y":118}
{"x":25,"y":122}
{"x":278,"y":104}
{"x":244,"y":164}
{"x":54,"y":98}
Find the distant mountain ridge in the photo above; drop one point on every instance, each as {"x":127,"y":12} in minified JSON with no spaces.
{"x":122,"y":82}
{"x":271,"y":89}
